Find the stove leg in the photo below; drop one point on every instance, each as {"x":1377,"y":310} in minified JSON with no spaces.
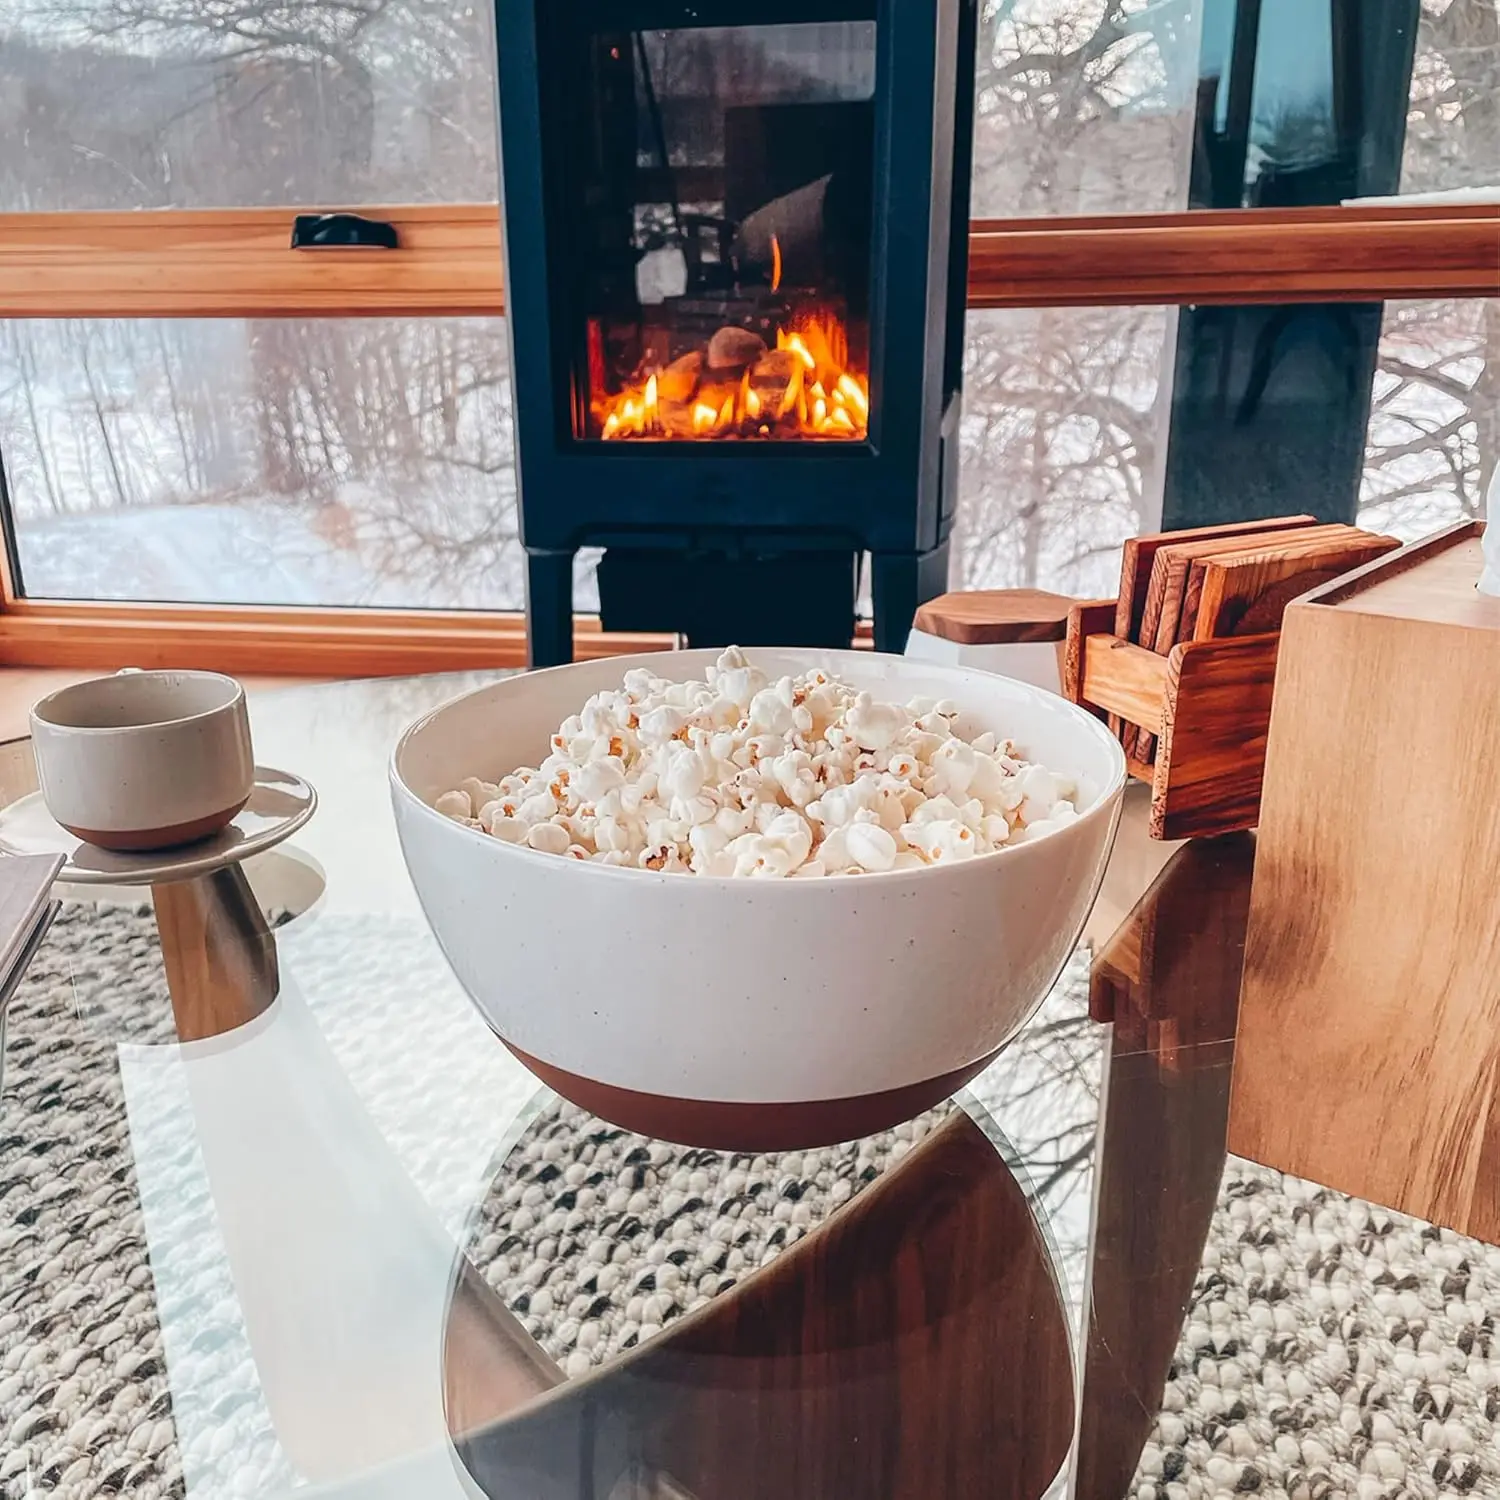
{"x":549,"y":608}
{"x":900,"y":581}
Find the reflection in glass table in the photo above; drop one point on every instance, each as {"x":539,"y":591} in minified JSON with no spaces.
{"x":277,"y":1214}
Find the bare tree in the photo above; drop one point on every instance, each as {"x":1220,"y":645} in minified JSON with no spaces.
{"x":1084,"y":106}
{"x":1435,"y":429}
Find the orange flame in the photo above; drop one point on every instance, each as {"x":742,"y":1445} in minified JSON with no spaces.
{"x":775,"y":263}
{"x":822,"y":398}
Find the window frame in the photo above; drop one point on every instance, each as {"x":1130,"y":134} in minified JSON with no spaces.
{"x":238,"y":263}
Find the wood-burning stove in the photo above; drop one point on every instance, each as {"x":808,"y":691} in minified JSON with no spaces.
{"x":736,"y":251}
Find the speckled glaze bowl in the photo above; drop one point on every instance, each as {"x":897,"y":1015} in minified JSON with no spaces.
{"x":752,"y":1014}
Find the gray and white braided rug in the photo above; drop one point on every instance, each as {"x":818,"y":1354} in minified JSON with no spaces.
{"x":1331,"y":1350}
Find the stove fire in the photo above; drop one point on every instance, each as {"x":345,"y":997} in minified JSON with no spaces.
{"x":737,"y":386}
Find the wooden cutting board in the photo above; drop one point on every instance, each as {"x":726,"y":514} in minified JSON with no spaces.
{"x":1246,"y":594}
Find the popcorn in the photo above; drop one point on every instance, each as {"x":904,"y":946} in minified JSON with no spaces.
{"x":870,"y":846}
{"x":549,"y":838}
{"x":738,"y":775}
{"x":455,"y":805}
{"x":872,"y":725}
{"x":942,"y":840}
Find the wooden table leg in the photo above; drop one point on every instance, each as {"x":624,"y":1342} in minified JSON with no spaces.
{"x":1170,"y":982}
{"x":219,"y":953}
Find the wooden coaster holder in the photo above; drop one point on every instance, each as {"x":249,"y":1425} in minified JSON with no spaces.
{"x":1208,"y":703}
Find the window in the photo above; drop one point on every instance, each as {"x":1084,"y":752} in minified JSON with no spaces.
{"x":130,"y":104}
{"x":1125,"y":106}
{"x":1063,"y":426}
{"x":1066,"y":419}
{"x":1451,"y":132}
{"x":359,"y":461}
{"x":1084,"y":106}
{"x":1434,"y":437}
{"x":165,"y":446}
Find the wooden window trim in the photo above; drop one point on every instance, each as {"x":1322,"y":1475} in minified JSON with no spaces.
{"x":281,"y":641}
{"x":237,"y":263}
{"x":1357,"y":254}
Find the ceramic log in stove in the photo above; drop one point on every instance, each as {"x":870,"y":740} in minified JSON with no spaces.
{"x":736,"y":251}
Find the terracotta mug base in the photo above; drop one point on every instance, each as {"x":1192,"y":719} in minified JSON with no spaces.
{"x":729,"y":1126}
{"x":140,"y":840}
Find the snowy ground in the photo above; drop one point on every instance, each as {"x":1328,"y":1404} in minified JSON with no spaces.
{"x":261,"y":551}
{"x":273,"y":552}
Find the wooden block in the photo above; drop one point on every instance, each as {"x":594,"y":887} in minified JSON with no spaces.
{"x":990,"y":617}
{"x":1126,"y":679}
{"x":1254,"y":588}
{"x":1213,"y":737}
{"x":1086,"y":618}
{"x":1432,"y":580}
{"x":1287,"y":564}
{"x":1140,"y":552}
{"x":1369,"y":1039}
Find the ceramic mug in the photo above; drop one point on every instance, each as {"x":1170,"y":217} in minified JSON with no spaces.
{"x":144,"y":760}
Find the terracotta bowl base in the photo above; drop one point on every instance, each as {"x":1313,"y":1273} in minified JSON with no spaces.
{"x":728,"y":1126}
{"x":135,"y":840}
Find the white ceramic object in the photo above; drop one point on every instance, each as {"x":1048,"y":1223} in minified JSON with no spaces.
{"x":144,"y":760}
{"x":1036,"y":662}
{"x":278,"y":805}
{"x":1489,"y":579}
{"x":752,"y":1013}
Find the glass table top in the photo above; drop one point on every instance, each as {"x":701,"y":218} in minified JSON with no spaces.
{"x":279,"y":1215}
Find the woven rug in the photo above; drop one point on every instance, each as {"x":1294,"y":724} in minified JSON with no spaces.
{"x":1330,"y":1350}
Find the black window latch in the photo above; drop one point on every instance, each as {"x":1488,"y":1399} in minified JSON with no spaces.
{"x":342,"y":232}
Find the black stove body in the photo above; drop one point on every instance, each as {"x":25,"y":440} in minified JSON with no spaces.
{"x":736,"y":252}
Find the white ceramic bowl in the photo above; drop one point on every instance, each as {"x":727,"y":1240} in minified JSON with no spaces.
{"x":752,"y":1014}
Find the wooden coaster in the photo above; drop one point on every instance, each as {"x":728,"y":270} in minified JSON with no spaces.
{"x":1137,"y":563}
{"x":1166,"y":593}
{"x":1140,"y":553}
{"x":1246,"y":594}
{"x":995,"y":617}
